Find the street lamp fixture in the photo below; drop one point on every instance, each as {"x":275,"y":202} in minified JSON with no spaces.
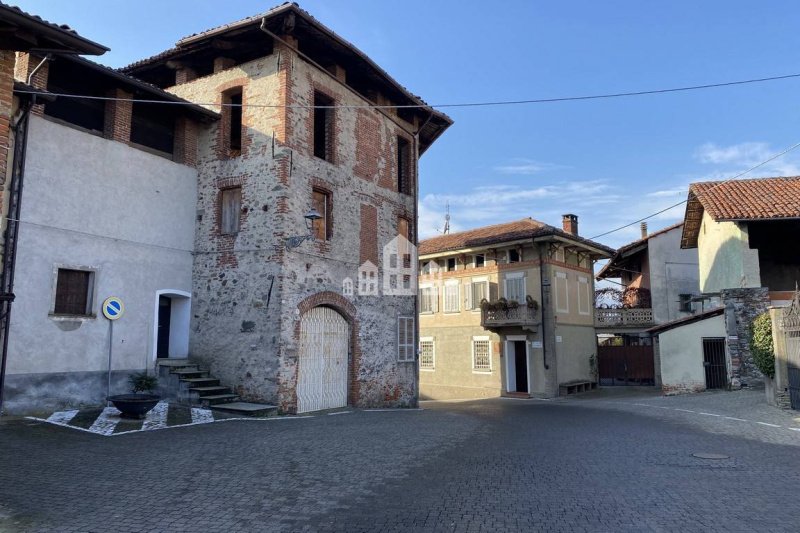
{"x":294,"y":242}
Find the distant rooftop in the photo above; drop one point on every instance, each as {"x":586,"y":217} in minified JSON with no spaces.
{"x":610,"y":269}
{"x":24,"y":32}
{"x":526,"y":228}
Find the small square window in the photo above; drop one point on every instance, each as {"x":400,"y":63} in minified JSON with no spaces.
{"x":513,"y":256}
{"x":451,"y":264}
{"x":479,"y":261}
{"x":74,"y":292}
{"x":685,"y":302}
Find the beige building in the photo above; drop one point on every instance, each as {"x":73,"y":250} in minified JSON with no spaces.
{"x":507,"y":310}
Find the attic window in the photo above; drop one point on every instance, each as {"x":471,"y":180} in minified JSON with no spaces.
{"x":233,"y":125}
{"x":323,"y":127}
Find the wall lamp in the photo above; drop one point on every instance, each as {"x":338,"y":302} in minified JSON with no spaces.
{"x":294,"y":242}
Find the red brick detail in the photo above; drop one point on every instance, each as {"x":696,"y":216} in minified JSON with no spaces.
{"x":223,"y":63}
{"x":369,"y":234}
{"x":368,"y":146}
{"x":185,"y":151}
{"x":222,"y":147}
{"x":7,"y":60}
{"x":185,"y":75}
{"x":118,"y":116}
{"x":25,"y":64}
{"x":287,"y":391}
{"x":225,"y":244}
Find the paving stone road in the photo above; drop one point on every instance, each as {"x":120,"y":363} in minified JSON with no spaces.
{"x":602,"y":462}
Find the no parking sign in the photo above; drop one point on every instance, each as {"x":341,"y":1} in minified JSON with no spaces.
{"x":113,"y":308}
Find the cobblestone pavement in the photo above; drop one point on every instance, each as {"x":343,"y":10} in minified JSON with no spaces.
{"x":597,"y":463}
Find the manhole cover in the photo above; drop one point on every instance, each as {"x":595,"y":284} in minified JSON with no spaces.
{"x":702,"y":455}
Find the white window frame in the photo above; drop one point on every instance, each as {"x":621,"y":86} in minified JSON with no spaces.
{"x":470,"y":304}
{"x":583,"y":281}
{"x":565,"y":309}
{"x":432,"y":367}
{"x":434,"y":298}
{"x":449,"y":285}
{"x":488,"y":341}
{"x":515,"y":276}
{"x":405,"y":350}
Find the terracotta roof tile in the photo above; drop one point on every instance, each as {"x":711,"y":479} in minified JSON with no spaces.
{"x":499,"y":233}
{"x":752,"y":199}
{"x":36,"y":19}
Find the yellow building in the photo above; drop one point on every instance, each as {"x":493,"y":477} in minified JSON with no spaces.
{"x":508,"y":309}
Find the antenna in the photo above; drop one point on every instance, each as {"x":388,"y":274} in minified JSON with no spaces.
{"x":446,"y":229}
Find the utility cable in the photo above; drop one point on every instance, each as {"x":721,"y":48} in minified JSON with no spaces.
{"x":438,"y":106}
{"x":721,"y":183}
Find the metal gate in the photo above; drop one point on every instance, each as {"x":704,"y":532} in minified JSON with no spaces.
{"x":715,"y":363}
{"x":626,"y":365}
{"x":790,"y":325}
{"x":323,"y":362}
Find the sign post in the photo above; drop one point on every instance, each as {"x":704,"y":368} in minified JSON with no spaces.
{"x":113,"y":309}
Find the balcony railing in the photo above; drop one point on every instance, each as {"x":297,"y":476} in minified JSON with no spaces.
{"x":523,"y":316}
{"x":630,"y":318}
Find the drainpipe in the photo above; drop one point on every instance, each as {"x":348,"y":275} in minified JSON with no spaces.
{"x":542,"y":288}
{"x":20,"y":129}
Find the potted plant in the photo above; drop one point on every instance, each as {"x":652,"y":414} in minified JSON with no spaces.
{"x":141,"y":400}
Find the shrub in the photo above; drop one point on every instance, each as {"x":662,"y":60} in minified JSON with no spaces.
{"x":142,"y":382}
{"x":761,"y":345}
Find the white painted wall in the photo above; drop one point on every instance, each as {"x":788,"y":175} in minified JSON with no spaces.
{"x":725,"y":257}
{"x":673,"y":271}
{"x":128,"y":214}
{"x":681,"y":352}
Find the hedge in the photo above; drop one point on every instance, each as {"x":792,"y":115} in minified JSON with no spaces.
{"x":761,"y":345}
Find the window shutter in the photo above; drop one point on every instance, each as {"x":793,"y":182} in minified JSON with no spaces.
{"x":468,"y":295}
{"x":493,"y":292}
{"x":435,"y":293}
{"x":231,"y":207}
{"x":405,"y":339}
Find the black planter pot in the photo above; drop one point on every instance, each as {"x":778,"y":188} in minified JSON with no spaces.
{"x":134,"y":405}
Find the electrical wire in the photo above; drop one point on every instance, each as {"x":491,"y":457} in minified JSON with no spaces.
{"x":721,"y":183}
{"x":439,"y":106}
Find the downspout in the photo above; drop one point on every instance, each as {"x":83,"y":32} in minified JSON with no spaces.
{"x":416,"y":262}
{"x":20,"y":129}
{"x":542,"y":286}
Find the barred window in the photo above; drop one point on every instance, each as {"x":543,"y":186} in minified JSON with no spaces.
{"x":451,"y":298}
{"x":481,"y":354}
{"x":427,"y":357}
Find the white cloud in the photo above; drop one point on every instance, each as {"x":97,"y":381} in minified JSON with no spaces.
{"x":525,"y":167}
{"x":739,"y":157}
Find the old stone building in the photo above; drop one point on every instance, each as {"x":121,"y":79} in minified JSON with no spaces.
{"x":308,"y":127}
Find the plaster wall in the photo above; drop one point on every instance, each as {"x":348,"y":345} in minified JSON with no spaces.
{"x":673,"y":271}
{"x":681,"y":354}
{"x":125,"y":214}
{"x":725,"y":258}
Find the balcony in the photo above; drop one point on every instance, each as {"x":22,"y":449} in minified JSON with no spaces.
{"x":624,"y":318}
{"x":522,"y":316}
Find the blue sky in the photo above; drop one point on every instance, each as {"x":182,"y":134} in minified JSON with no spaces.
{"x":608,"y":161}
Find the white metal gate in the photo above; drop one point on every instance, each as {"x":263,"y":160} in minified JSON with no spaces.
{"x":322,"y":366}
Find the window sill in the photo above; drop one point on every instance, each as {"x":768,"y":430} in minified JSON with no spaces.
{"x":427,"y":369}
{"x":71,"y":318}
{"x":484,"y":372}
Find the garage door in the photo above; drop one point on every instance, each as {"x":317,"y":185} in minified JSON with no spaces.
{"x":322,"y":366}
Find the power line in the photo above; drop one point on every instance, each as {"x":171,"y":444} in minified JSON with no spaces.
{"x":737,"y":176}
{"x":437,"y":106}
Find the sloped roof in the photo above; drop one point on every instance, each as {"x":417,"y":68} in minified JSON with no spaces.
{"x":610,"y":269}
{"x":750,"y":199}
{"x":41,"y":34}
{"x":661,"y":328}
{"x":527,"y":228}
{"x":434,"y":122}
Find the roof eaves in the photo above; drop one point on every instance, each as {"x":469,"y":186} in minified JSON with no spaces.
{"x":70,"y":37}
{"x":661,"y":328}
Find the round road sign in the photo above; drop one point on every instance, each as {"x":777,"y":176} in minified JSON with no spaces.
{"x":113,"y":308}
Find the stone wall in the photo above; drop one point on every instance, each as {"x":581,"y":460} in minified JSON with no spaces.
{"x":249,"y":289}
{"x":742,"y":306}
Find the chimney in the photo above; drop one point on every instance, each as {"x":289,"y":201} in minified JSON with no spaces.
{"x":644,"y":230}
{"x":570,"y":224}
